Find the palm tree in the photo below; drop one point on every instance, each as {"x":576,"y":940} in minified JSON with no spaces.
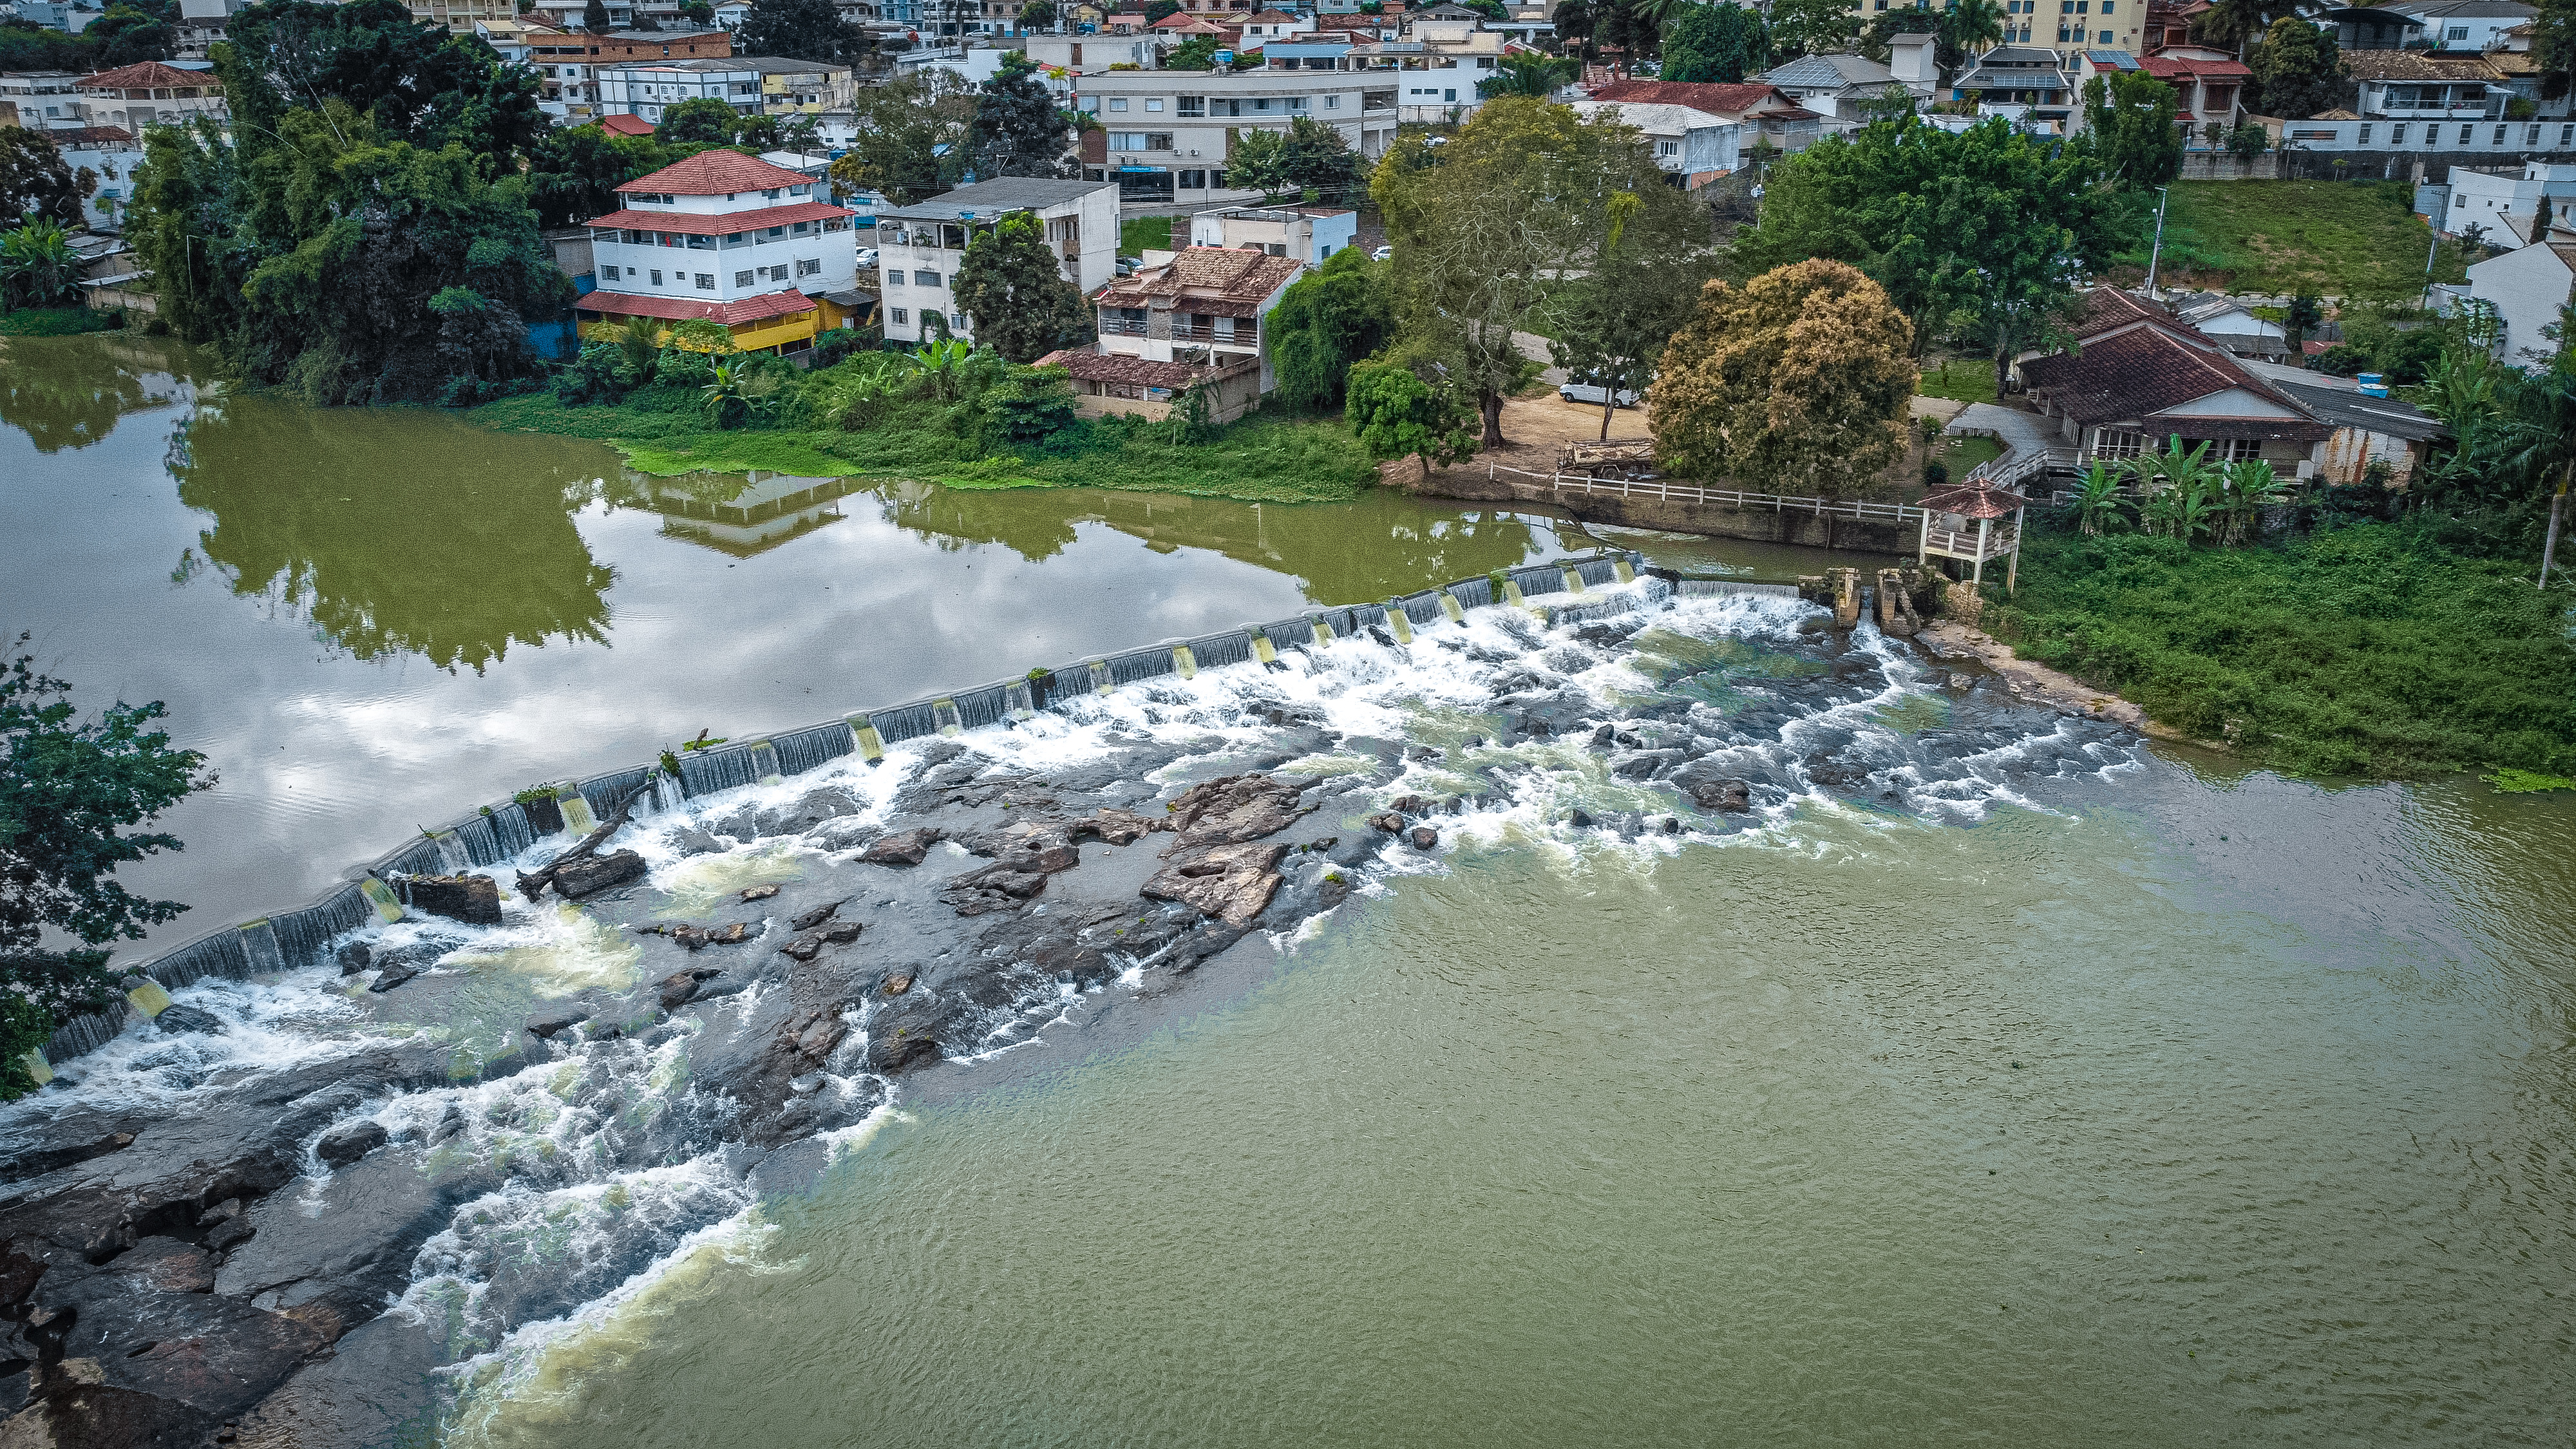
{"x":1971,"y":25}
{"x":37,"y":265}
{"x":2098,"y":503}
{"x":640,"y":343}
{"x":1522,"y":74}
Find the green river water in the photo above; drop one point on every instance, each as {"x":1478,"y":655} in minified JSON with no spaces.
{"x":2180,"y":1105}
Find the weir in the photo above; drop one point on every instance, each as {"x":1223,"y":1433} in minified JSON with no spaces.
{"x":500,"y":831}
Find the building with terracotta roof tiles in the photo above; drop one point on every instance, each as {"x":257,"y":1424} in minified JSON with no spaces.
{"x":1204,"y":307}
{"x":1767,"y":113}
{"x":731,"y":238}
{"x":2136,"y":377}
{"x":149,"y":93}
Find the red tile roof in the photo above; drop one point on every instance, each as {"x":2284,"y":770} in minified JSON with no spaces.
{"x":715,"y":173}
{"x":677,"y":309}
{"x":692,"y":223}
{"x":1138,"y":371}
{"x":151,"y":75}
{"x":1206,"y":282}
{"x":1973,"y":500}
{"x":1698,"y":95}
{"x":626,"y":125}
{"x":2168,"y":67}
{"x":2136,"y":364}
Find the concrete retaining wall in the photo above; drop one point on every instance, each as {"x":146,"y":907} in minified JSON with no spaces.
{"x":1762,"y":525}
{"x":499,"y":831}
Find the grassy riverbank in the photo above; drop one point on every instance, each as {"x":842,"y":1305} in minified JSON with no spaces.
{"x":1256,"y":460}
{"x":2363,"y":651}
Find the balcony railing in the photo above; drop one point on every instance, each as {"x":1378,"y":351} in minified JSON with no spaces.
{"x":1123,"y":327}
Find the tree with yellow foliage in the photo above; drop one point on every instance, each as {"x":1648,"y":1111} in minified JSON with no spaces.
{"x":1795,"y":382}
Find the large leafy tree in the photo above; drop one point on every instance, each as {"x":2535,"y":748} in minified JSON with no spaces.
{"x":36,"y":180}
{"x":1799,"y":378}
{"x":1611,"y":325}
{"x":911,"y":138}
{"x":1019,"y":130}
{"x":2299,"y":70}
{"x":1396,"y":414}
{"x":2239,"y":23}
{"x":130,"y":33}
{"x":1720,"y":42}
{"x":1486,"y":225}
{"x":574,"y":171}
{"x":1936,"y":217}
{"x":2129,"y":122}
{"x":1808,"y":27}
{"x":1014,"y":288}
{"x":1326,"y":321}
{"x":804,"y":29}
{"x":70,"y":791}
{"x":414,"y":80}
{"x":704,"y":121}
{"x":2553,"y":42}
{"x":1526,"y":75}
{"x":1309,"y":156}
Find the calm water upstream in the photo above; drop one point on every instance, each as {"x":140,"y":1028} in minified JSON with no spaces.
{"x":2160,"y":1104}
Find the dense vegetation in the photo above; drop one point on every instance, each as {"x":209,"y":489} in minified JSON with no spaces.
{"x":2367,"y":650}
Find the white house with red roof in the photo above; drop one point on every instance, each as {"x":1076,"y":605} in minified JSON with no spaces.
{"x":149,"y":93}
{"x":730,"y":238}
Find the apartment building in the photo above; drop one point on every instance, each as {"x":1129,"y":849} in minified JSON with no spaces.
{"x":752,"y":84}
{"x":919,"y":247}
{"x":149,"y":93}
{"x":1166,"y":135}
{"x":41,"y":100}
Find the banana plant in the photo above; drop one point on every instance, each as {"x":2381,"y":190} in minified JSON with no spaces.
{"x":2178,"y":488}
{"x":2252,"y":486}
{"x":940,"y":363}
{"x":2098,"y":504}
{"x":736,"y":394}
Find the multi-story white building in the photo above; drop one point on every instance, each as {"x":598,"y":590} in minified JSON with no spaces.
{"x":41,"y":100}
{"x":2509,"y":208}
{"x":149,"y":93}
{"x":1166,"y":134}
{"x":1308,"y":233}
{"x":729,"y":237}
{"x":113,"y":156}
{"x":752,"y":84}
{"x":919,"y":247}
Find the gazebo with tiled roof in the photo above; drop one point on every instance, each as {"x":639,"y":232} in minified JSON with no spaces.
{"x":1982,"y":500}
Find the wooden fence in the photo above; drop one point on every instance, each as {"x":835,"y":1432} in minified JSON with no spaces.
{"x":1664,"y":490}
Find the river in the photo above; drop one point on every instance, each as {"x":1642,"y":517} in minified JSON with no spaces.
{"x":2065,"y":1089}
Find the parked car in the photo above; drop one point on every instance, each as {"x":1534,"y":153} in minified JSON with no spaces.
{"x":1382,"y":254}
{"x":1127,"y":265}
{"x":867,"y":259}
{"x":1578,"y":390}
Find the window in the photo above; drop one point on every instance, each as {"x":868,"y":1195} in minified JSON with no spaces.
{"x":1296,"y":103}
{"x":657,"y":278}
{"x":1193,"y":181}
{"x":957,"y":320}
{"x":2567,"y":135}
{"x":2456,"y":32}
{"x":807,"y":266}
{"x":1450,"y":94}
{"x":2397,"y":135}
{"x":1117,"y":104}
{"x":608,"y":274}
{"x":1191,"y":105}
{"x":894,"y":276}
{"x":1332,"y":103}
{"x":925,"y":279}
{"x":2365,"y":136}
{"x":2106,"y":7}
{"x":802,"y":227}
{"x":901,"y":318}
{"x":1158,"y":141}
{"x":1155,"y":104}
{"x":2499,"y":135}
{"x":1126,"y":140}
{"x":2531,"y":137}
{"x":742,"y":279}
{"x":2105,"y":40}
{"x":706,"y":281}
{"x":2109,"y":444}
{"x":2465,"y":132}
{"x":1668,"y":148}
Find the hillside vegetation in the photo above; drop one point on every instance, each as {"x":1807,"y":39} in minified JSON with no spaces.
{"x":2333,"y":238}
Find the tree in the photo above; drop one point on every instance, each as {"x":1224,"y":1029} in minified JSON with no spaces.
{"x":1196,"y":53}
{"x":1019,"y":130}
{"x":2306,"y":311}
{"x":803,"y":29}
{"x":574,"y":171}
{"x":594,"y":16}
{"x":2129,"y":123}
{"x":1612,"y":324}
{"x":1030,"y":408}
{"x":1936,"y":216}
{"x":704,"y":121}
{"x":1810,"y":27}
{"x":1484,"y":226}
{"x":1716,"y":42}
{"x":68,"y":793}
{"x":1038,"y":15}
{"x":2298,"y":70}
{"x":1014,"y":288}
{"x":1522,"y":74}
{"x":127,"y":34}
{"x":35,"y":180}
{"x":2553,"y":43}
{"x":2237,"y":23}
{"x":1327,"y":320}
{"x":911,"y":137}
{"x":416,"y":81}
{"x":37,"y":265}
{"x":1967,"y":27}
{"x":1309,"y":156}
{"x":697,"y":11}
{"x":1395,"y":414}
{"x":1799,"y":379}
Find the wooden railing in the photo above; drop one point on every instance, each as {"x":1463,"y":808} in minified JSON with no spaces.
{"x":1671,"y":492}
{"x":1963,"y":544}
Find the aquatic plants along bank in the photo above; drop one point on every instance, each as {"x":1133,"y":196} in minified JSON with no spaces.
{"x":2368,"y":650}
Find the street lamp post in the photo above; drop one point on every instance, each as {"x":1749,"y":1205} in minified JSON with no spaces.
{"x":2155,"y":253}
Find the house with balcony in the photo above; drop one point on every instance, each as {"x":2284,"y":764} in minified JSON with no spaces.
{"x":1691,"y":147}
{"x":41,"y":100}
{"x":919,"y":247}
{"x":1165,"y":135}
{"x":149,"y":93}
{"x":730,"y":238}
{"x":2027,"y":83}
{"x":2133,"y":377}
{"x":752,"y":84}
{"x":2208,"y":86}
{"x":1203,"y":308}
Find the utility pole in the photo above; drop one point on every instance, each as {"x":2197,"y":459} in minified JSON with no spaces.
{"x":2156,"y":252}
{"x":2430,"y":253}
{"x":2557,"y":507}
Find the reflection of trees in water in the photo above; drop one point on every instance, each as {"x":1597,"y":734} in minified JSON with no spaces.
{"x":1383,"y":544}
{"x":398,"y":530}
{"x":68,"y":392}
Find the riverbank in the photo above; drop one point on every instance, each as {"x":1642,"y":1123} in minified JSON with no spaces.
{"x":2363,"y":651}
{"x":1259,"y":459}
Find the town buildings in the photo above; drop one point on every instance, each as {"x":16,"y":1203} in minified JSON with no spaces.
{"x":919,"y":247}
{"x":730,"y":238}
{"x":2526,"y":292}
{"x":148,"y":92}
{"x":2509,"y":207}
{"x":1764,"y":114}
{"x":112,"y":155}
{"x":1165,"y":135}
{"x":2135,"y":377}
{"x":1691,"y":147}
{"x":1308,"y":233}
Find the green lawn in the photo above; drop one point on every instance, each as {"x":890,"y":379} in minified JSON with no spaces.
{"x":1961,"y":379}
{"x":1137,"y":233}
{"x":54,"y":322}
{"x":2333,"y":238}
{"x":2368,"y":650}
{"x":1961,"y":454}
